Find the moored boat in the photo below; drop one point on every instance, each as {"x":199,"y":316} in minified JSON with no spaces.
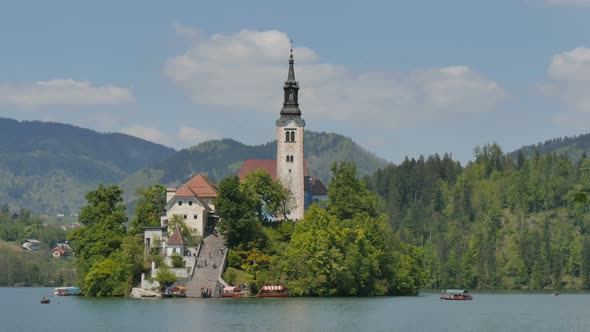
{"x":67,"y":291}
{"x":232,"y":291}
{"x":272,"y":291}
{"x":456,"y":295}
{"x":45,"y":300}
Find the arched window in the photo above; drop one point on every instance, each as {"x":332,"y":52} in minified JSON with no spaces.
{"x":292,"y":136}
{"x":287,"y":158}
{"x":287,"y":136}
{"x":290,"y":95}
{"x":291,"y":158}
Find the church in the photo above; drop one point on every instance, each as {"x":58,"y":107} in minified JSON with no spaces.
{"x":290,"y":166}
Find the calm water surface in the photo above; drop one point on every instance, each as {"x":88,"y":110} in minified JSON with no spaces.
{"x":20,"y":310}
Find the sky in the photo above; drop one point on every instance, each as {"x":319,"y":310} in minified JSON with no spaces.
{"x":401,"y":78}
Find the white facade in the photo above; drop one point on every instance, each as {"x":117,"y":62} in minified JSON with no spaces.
{"x":290,"y":168}
{"x":194,"y":212}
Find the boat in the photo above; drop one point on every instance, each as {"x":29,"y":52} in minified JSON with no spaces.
{"x":67,"y":291}
{"x":45,"y":300}
{"x":272,"y":291}
{"x":232,"y":291}
{"x":456,"y":295}
{"x":176,"y":291}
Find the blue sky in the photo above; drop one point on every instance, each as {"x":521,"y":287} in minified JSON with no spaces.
{"x":402,"y":78}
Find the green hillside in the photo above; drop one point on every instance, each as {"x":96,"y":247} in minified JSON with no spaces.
{"x":48,"y":167}
{"x":574,"y":147}
{"x":221,"y":158}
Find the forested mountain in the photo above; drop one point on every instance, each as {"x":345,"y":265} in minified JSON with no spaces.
{"x":48,"y":167}
{"x":498,"y":222}
{"x":221,"y":158}
{"x":574,"y":147}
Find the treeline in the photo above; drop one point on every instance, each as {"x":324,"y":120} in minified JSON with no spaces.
{"x":498,"y":222}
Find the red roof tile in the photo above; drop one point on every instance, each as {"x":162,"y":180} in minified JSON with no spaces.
{"x":202,"y":186}
{"x":250,"y":165}
{"x":184,"y":191}
{"x":58,"y":249}
{"x":270,"y":165}
{"x":175,"y":239}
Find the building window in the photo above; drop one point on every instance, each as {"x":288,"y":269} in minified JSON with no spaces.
{"x":147,"y":242}
{"x":179,"y":203}
{"x":290,"y":95}
{"x":287,"y":158}
{"x":185,"y":216}
{"x":190,"y":203}
{"x":292,"y":136}
{"x":287,"y":136}
{"x":194,"y":216}
{"x":291,"y":158}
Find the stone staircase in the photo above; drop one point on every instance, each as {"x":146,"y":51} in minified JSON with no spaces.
{"x":206,"y":277}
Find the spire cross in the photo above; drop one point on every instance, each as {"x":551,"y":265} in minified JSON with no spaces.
{"x":291,"y":46}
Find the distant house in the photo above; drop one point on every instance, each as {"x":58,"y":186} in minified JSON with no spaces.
{"x":60,"y":215}
{"x":315,"y":191}
{"x":61,"y":250}
{"x":32,"y":244}
{"x":58,"y":252}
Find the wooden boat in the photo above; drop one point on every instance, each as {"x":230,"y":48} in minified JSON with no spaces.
{"x":272,"y":291}
{"x":455,"y":295}
{"x":45,"y":300}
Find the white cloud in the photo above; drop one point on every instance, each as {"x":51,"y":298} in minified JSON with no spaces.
{"x":184,"y":137}
{"x":569,"y":78}
{"x":581,"y":3}
{"x":62,"y":92}
{"x":244,"y":71}
{"x":192,"y":136}
{"x":149,"y":134}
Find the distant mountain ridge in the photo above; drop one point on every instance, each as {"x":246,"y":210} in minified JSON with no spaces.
{"x":224,"y":157}
{"x":574,"y":147}
{"x":48,"y":167}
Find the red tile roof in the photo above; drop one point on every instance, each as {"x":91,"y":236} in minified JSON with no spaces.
{"x":175,"y":239}
{"x":250,"y":165}
{"x":202,"y":186}
{"x":184,"y":191}
{"x":317,"y":187}
{"x":58,"y":249}
{"x":269,"y":165}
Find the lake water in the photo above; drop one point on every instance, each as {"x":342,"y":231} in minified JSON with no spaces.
{"x":20,"y":310}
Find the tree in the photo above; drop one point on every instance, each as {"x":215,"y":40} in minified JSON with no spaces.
{"x":150,"y":203}
{"x":165,"y":277}
{"x":108,"y":277}
{"x":102,"y":231}
{"x":348,"y":195}
{"x":274,"y":200}
{"x":237,"y":212}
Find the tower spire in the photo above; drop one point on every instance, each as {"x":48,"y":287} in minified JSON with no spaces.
{"x":291,"y":88}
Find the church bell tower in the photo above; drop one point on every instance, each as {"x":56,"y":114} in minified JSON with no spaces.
{"x":290,"y":165}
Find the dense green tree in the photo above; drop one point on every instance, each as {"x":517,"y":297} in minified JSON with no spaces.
{"x":102,"y":231}
{"x":275,"y":201}
{"x":150,"y":203}
{"x":237,"y":211}
{"x":108,"y":277}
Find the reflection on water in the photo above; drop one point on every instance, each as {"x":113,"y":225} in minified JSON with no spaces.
{"x":21,"y":311}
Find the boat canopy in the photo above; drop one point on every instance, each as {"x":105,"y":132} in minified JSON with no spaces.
{"x":230,"y":289}
{"x":455,"y":291}
{"x":273,"y":288}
